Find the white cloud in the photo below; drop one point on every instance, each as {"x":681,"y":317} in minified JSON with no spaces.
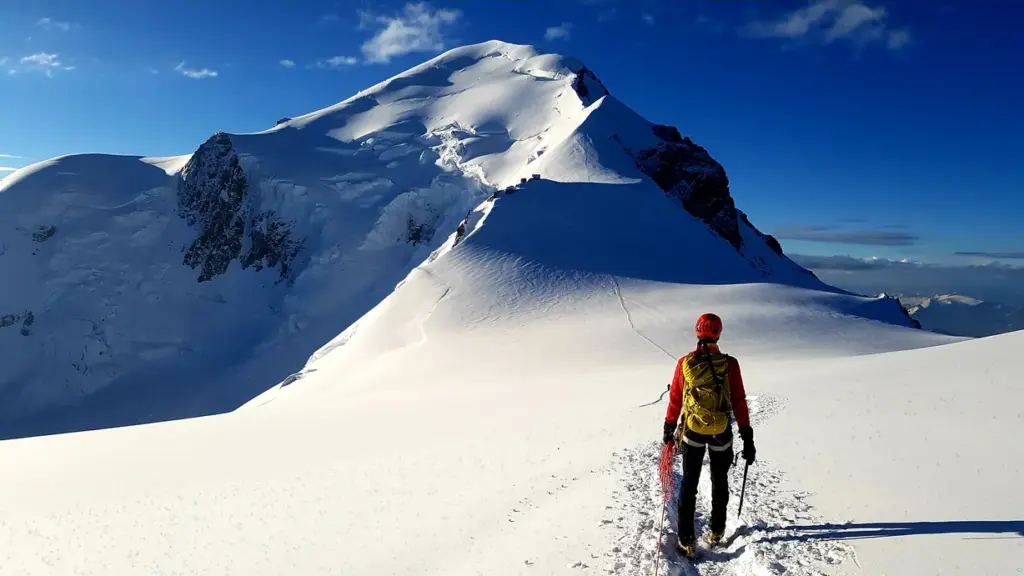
{"x":7,"y":169}
{"x":287,"y":63}
{"x":648,"y":18}
{"x":418,"y":28}
{"x":195,"y":73}
{"x":336,"y":62}
{"x":42,"y":60}
{"x":3,"y":61}
{"x":558,"y":32}
{"x":9,"y":156}
{"x":154,"y":71}
{"x":51,"y":24}
{"x":853,"y":18}
{"x":827,"y":21}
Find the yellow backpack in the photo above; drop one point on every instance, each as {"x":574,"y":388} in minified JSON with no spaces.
{"x":706,"y":401}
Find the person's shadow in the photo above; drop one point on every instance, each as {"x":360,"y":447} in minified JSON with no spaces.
{"x":857,"y":531}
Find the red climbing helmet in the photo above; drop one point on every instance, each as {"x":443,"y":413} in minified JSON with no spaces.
{"x":709,"y":327}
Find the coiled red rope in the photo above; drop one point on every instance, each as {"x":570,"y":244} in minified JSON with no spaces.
{"x":668,"y":453}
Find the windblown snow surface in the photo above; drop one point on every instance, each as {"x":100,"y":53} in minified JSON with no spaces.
{"x":500,"y":410}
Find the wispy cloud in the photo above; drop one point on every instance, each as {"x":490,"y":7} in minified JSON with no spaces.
{"x":336,"y":62}
{"x":648,"y":18}
{"x":607,"y":15}
{"x":558,"y":32}
{"x":12,"y":156}
{"x":50,"y":24}
{"x":883,"y":236}
{"x":195,"y":73}
{"x":418,"y":28}
{"x":44,"y":62}
{"x":288,"y":63}
{"x":1003,"y":255}
{"x":995,"y":282}
{"x":829,"y":21}
{"x":847,"y":263}
{"x":7,"y":169}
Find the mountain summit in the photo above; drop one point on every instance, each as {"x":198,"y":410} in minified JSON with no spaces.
{"x":140,"y":289}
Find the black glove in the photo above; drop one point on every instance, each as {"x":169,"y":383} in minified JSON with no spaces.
{"x":749,"y":452}
{"x":670,"y":432}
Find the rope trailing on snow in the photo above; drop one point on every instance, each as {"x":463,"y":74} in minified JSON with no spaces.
{"x":660,"y":398}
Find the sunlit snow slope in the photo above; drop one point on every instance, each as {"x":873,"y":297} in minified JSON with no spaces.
{"x":143,"y":289}
{"x":498,"y":411}
{"x":489,"y":417}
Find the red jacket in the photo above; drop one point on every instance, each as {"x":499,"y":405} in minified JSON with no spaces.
{"x":738,"y":396}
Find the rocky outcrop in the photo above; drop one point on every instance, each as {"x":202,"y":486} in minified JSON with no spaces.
{"x":27,"y":319}
{"x":418,"y":233}
{"x":914,"y":323}
{"x":686,"y":171}
{"x":44,"y":233}
{"x":588,"y":86}
{"x":668,"y":133}
{"x":768,"y":238}
{"x":213,"y":196}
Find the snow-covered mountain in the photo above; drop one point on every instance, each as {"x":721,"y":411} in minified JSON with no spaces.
{"x":498,"y":407}
{"x":960,"y":315}
{"x":139,"y":289}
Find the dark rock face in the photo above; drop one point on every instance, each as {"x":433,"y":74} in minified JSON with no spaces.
{"x":282,"y":121}
{"x":914,"y":322}
{"x":686,"y":171}
{"x":768,"y":238}
{"x":588,"y":86}
{"x":668,"y":133}
{"x":213,"y":196}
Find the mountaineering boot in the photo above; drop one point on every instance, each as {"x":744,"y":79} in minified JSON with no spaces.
{"x":714,"y":539}
{"x":687,"y":547}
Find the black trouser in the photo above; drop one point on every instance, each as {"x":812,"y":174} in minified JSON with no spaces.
{"x":721,"y":454}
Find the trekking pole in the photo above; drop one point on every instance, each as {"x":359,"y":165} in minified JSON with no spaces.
{"x":743,"y":490}
{"x":661,"y":534}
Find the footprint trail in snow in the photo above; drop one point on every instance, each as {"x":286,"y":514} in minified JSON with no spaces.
{"x":755,"y":544}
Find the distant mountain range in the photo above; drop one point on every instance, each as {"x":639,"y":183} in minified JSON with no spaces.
{"x":960,"y":315}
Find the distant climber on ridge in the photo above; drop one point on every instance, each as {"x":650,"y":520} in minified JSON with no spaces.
{"x":706,"y":389}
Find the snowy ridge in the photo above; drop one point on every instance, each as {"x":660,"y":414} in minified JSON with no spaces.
{"x":228,"y":267}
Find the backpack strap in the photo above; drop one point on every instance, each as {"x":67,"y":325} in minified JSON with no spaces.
{"x":714,"y":373}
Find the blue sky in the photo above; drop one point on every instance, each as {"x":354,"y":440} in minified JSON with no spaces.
{"x":866,"y":128}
